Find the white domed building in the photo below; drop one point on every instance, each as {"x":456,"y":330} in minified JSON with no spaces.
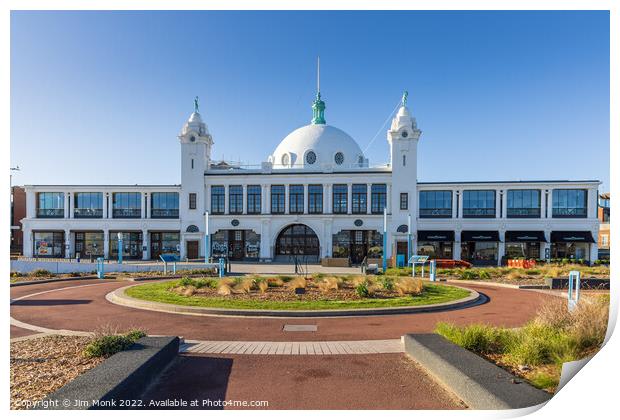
{"x":314,"y":199}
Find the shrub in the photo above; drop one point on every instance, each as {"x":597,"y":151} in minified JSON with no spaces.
{"x":275,"y":282}
{"x":480,"y":338}
{"x":297,"y":283}
{"x":329,"y":283}
{"x":224,"y":289}
{"x":244,"y":285}
{"x":16,"y":274}
{"x":107,"y":345}
{"x":387,"y":283}
{"x":532,"y":272}
{"x":409,"y":286}
{"x":469,"y":275}
{"x":40,"y":272}
{"x":362,"y":290}
{"x":484,"y":274}
{"x":263,"y":285}
{"x":537,"y":344}
{"x":188,"y":291}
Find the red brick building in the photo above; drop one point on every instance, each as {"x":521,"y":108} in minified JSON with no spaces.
{"x":18,"y":212}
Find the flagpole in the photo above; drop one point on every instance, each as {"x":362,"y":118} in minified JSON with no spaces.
{"x":384,"y":239}
{"x":207,"y":247}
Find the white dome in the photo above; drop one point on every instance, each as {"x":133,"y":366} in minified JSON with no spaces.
{"x":195,"y":123}
{"x":317,"y":145}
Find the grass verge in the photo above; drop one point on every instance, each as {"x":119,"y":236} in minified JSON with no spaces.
{"x":160,"y":292}
{"x":537,"y":351}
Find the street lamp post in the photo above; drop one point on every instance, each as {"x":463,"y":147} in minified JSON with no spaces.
{"x":384,"y":239}
{"x":207,"y":247}
{"x":119,"y":235}
{"x":409,"y":239}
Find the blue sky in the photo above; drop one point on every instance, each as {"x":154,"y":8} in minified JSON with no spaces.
{"x":99,"y":97}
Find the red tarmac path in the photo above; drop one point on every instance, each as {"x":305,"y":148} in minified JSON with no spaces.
{"x":64,"y":306}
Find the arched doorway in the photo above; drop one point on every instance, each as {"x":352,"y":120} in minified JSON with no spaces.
{"x":297,"y":240}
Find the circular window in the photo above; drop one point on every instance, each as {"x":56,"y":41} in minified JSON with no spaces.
{"x":358,"y":222}
{"x":404,"y":134}
{"x":192,"y":229}
{"x":402,"y":229}
{"x":234,"y":222}
{"x":310,"y":157}
{"x":192,"y":139}
{"x":285,"y":159}
{"x":339,"y":158}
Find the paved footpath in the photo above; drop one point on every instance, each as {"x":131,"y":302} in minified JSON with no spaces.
{"x":298,"y":348}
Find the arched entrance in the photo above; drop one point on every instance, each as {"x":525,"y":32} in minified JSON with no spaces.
{"x":297,"y":240}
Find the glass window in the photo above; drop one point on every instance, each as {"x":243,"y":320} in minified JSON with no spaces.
{"x":478,"y":203}
{"x":254,"y":199}
{"x":523,"y":250}
{"x":49,"y":244}
{"x":218,"y":195}
{"x":435,"y":204}
{"x":296,"y":199}
{"x":192,"y":201}
{"x":358,"y":199}
{"x":165,"y":205}
{"x":378,"y":198}
{"x":277,"y":199}
{"x":132,"y":245}
{"x":340,"y":197}
{"x":89,"y":244}
{"x":523,"y":203}
{"x":88,"y":205}
{"x":235,"y":199}
{"x":315,"y":199}
{"x":126,"y":205}
{"x":479,"y":252}
{"x":404,"y":201}
{"x":569,"y":203}
{"x":51,"y":205}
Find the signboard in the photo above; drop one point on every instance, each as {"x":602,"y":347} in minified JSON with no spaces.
{"x":418,"y":259}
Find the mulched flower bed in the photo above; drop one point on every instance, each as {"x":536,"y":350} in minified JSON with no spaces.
{"x":41,"y":366}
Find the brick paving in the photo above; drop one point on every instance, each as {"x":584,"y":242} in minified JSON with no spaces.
{"x":295,"y":348}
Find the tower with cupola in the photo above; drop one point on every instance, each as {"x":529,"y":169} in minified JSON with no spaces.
{"x":196,"y":143}
{"x":402,"y":137}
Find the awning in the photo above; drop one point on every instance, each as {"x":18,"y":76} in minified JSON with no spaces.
{"x":572,"y":236}
{"x":436,"y":235}
{"x":479,"y":236}
{"x":525,"y":236}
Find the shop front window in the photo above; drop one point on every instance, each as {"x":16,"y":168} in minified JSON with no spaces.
{"x":435,"y":249}
{"x":89,"y":244}
{"x":132,"y":245}
{"x":571,"y":250}
{"x":479,"y":252}
{"x":49,"y":244}
{"x":529,"y":250}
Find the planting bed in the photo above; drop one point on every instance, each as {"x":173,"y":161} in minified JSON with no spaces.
{"x":285,"y":292}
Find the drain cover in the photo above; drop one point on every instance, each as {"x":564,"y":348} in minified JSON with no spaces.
{"x":300,"y":328}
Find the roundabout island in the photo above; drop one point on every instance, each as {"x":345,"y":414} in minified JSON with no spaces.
{"x":316,"y":295}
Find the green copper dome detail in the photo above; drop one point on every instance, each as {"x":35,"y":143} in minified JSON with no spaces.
{"x":318,"y":110}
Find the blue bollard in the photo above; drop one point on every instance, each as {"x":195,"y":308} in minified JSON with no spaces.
{"x":433,"y":273}
{"x":574,"y":286}
{"x":222,"y":267}
{"x":100,"y":273}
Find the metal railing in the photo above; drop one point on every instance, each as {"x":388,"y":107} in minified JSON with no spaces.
{"x":51,"y":213}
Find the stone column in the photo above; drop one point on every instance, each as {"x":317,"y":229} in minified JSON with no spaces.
{"x":245,"y":198}
{"x":67,"y":243}
{"x":286,"y":187}
{"x":456,"y":248}
{"x":66,"y":206}
{"x":145,"y":244}
{"x":106,"y":244}
{"x":388,"y":198}
{"x":460,"y":215}
{"x":148,"y":205}
{"x":543,"y":204}
{"x":592,"y":203}
{"x":144,"y":199}
{"x":350,"y":198}
{"x":208,"y":198}
{"x":368,"y":198}
{"x":498,"y":206}
{"x":71,"y":205}
{"x":505,"y":205}
{"x":550,"y":204}
{"x":28,"y":242}
{"x":265,"y":240}
{"x":306,"y":198}
{"x":266,"y":199}
{"x":501,"y":249}
{"x":104,"y":204}
{"x":594,"y":249}
{"x":226,"y":196}
{"x":455,"y":200}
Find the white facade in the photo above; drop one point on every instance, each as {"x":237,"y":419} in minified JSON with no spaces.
{"x":311,"y":156}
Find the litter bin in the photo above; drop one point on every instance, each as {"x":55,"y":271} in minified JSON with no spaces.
{"x":400,"y":260}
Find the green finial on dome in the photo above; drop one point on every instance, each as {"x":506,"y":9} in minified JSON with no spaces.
{"x":318,"y":106}
{"x":403,"y":101}
{"x":196,"y":104}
